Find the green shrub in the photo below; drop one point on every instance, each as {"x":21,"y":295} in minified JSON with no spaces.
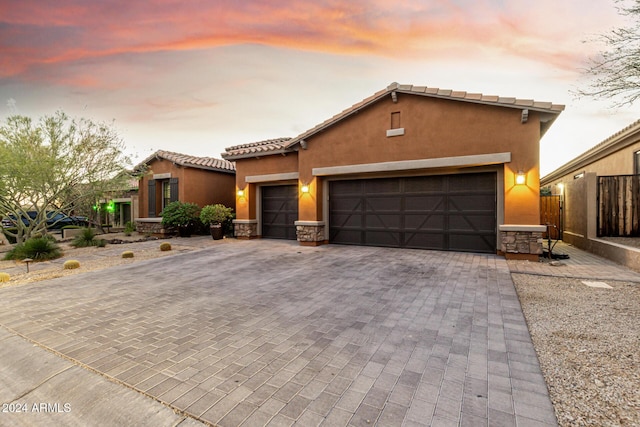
{"x":127,"y":254}
{"x":71,"y":264}
{"x":180,"y":214}
{"x":165,"y":246}
{"x":37,"y":248}
{"x":87,"y":238}
{"x":129,"y":228}
{"x":4,"y":277}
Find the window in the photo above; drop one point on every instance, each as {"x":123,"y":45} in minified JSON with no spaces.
{"x":166,"y":193}
{"x":395,"y":120}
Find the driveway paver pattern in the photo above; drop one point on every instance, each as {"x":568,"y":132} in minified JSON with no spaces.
{"x":270,"y":333}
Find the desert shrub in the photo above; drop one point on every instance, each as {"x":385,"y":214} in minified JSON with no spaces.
{"x":37,"y":248}
{"x":165,"y":246}
{"x":4,"y":277}
{"x":129,"y":228}
{"x":127,"y":254}
{"x":86,"y":238}
{"x":71,"y":264}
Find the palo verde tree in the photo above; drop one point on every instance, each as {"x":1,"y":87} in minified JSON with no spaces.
{"x":614,"y":73}
{"x":56,"y":165}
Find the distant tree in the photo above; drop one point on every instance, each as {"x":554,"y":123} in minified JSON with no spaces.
{"x":615,"y":72}
{"x":56,"y":165}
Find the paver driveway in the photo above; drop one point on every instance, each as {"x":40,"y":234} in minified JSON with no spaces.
{"x":268,"y":332}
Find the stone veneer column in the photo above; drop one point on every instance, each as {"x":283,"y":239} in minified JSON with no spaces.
{"x":310,"y":233}
{"x":245,"y":228}
{"x":521,"y":241}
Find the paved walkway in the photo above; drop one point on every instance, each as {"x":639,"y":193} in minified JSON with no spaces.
{"x":580,"y":265}
{"x":271,"y":333}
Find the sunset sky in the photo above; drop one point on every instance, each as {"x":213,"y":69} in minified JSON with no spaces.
{"x":198,"y":76}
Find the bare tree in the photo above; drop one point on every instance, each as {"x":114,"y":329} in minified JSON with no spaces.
{"x":614,"y":74}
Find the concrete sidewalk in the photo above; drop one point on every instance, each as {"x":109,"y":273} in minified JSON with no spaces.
{"x":39,"y":388}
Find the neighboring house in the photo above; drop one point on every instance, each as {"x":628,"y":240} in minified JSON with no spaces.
{"x":600,"y":190}
{"x":409,"y":166}
{"x":173,"y":176}
{"x":119,"y":208}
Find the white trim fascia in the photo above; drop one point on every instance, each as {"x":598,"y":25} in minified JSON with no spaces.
{"x":442,"y":162}
{"x":272,"y":177}
{"x":523,"y":227}
{"x":161,"y":175}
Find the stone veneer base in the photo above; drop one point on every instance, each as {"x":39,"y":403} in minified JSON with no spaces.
{"x":521,"y":242}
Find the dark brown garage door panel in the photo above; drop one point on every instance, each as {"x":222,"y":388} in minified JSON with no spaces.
{"x":449,"y":212}
{"x":279,"y":211}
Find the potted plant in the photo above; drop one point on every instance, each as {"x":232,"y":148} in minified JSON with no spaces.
{"x":181,"y":215}
{"x":214,"y":216}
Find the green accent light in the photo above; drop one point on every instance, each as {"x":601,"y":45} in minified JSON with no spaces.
{"x":111,"y":206}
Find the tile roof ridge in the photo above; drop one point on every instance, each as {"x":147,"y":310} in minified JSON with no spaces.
{"x":258,"y":143}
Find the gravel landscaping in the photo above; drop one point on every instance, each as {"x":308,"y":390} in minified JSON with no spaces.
{"x":588,"y":343}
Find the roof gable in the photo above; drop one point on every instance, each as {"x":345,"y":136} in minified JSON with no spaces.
{"x":185,"y":160}
{"x":549,"y":112}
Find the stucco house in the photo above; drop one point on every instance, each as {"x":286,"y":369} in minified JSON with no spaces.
{"x":174,"y":176}
{"x":409,"y":166}
{"x":600,"y":191}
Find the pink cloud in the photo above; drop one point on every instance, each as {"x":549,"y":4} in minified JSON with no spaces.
{"x":36,"y":35}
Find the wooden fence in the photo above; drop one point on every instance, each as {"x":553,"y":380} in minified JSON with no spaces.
{"x":618,"y":205}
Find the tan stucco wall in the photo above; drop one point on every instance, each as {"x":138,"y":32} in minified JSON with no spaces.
{"x":194,"y":185}
{"x":617,"y":163}
{"x":434,"y":128}
{"x":276,"y":164}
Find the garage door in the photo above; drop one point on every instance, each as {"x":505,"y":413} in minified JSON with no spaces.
{"x":447,"y":212}
{"x":279,"y":211}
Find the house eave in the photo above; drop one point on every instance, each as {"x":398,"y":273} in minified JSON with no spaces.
{"x":234,"y":157}
{"x":620,"y":140}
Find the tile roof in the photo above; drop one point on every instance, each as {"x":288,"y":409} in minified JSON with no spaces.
{"x":281,"y":145}
{"x":185,"y":160}
{"x":269,"y":146}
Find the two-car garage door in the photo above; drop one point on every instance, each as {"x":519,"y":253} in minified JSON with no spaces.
{"x":445,"y":212}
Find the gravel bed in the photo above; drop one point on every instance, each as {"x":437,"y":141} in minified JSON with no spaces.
{"x":588,"y":343}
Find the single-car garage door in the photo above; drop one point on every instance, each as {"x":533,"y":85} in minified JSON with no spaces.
{"x":279,"y":211}
{"x":443,"y":212}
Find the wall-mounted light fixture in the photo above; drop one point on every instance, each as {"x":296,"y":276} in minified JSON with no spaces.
{"x":304,"y":188}
{"x":561,"y":188}
{"x":521,"y":178}
{"x":240,"y":193}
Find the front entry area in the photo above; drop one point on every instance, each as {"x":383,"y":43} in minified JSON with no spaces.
{"x":442,"y":212}
{"x":279,"y":211}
